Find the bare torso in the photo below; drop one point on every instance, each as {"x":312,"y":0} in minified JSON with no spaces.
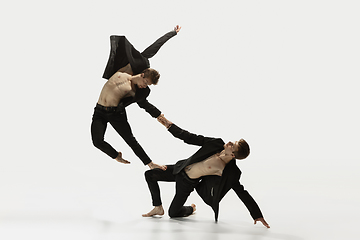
{"x":211,"y":166}
{"x":116,"y":88}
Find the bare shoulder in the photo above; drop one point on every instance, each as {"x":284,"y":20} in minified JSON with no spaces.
{"x":119,"y":76}
{"x":122,"y":74}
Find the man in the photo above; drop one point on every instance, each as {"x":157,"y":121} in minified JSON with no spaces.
{"x":212,"y":171}
{"x":129,"y":74}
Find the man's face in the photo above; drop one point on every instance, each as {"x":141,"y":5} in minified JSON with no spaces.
{"x":231,"y":147}
{"x":144,"y":82}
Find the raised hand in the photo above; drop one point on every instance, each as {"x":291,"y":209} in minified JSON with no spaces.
{"x":177,"y":28}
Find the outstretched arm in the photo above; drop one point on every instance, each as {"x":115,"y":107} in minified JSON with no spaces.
{"x":149,"y":108}
{"x":150,"y":51}
{"x":187,"y":137}
{"x":250,"y":204}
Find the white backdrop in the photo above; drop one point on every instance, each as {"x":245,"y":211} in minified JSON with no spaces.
{"x":281,"y":74}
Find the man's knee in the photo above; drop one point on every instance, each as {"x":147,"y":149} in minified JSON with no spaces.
{"x":149,"y":175}
{"x":172,"y":213}
{"x":184,"y":211}
{"x":97,"y":142}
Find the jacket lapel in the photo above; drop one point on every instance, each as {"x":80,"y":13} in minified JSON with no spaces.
{"x":209,"y":149}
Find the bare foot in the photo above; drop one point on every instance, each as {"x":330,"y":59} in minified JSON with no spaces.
{"x":154,"y":165}
{"x":158,"y":210}
{"x":194,"y":207}
{"x":120,"y":159}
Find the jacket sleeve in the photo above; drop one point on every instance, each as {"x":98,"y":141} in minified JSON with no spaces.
{"x":154,"y":48}
{"x":247,"y":199}
{"x":148,"y":107}
{"x":189,"y":138}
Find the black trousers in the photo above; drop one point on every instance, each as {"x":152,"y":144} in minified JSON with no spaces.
{"x":118,"y":120}
{"x":184,"y":186}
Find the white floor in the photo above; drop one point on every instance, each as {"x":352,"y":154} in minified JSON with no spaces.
{"x":314,"y":216}
{"x":194,"y":227}
{"x":299,"y":202}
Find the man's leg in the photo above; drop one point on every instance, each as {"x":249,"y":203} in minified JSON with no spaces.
{"x":152,"y":178}
{"x":98,"y":128}
{"x":184,"y":186}
{"x":120,"y":124}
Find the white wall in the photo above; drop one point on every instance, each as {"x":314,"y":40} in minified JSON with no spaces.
{"x":281,"y":74}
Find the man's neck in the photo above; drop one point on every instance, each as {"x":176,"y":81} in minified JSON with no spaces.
{"x":133,"y":80}
{"x":226,"y":158}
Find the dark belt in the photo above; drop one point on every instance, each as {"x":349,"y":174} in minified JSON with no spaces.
{"x":106,"y":109}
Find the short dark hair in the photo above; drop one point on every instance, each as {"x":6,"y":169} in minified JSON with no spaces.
{"x":243,"y":150}
{"x":152,"y":74}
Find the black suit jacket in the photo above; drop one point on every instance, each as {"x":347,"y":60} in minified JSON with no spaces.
{"x":209,"y":146}
{"x":123,"y":52}
{"x":213,"y":188}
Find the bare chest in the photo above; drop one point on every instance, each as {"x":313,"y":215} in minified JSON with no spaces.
{"x":123,"y":89}
{"x":210,"y":166}
{"x":114,"y":91}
